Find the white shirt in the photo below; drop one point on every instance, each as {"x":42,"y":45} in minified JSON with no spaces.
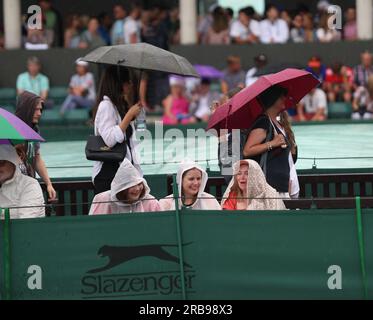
{"x":312,"y":103}
{"x":107,"y":126}
{"x":277,"y":31}
{"x":250,"y":76}
{"x":131,"y":26}
{"x":86,"y":81}
{"x":239,"y":30}
{"x":328,"y":36}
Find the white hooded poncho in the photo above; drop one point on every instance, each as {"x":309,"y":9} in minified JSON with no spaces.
{"x":126,"y":177}
{"x":205,"y":201}
{"x":261,"y":195}
{"x":21,"y":190}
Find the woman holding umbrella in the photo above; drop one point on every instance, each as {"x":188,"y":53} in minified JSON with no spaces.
{"x":29,"y":109}
{"x":113,"y":121}
{"x":272,"y":144}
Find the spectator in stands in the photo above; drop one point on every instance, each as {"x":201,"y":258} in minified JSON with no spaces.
{"x":205,"y":23}
{"x":117,"y":31}
{"x":176,"y":105}
{"x":324,"y":33}
{"x":285,"y":15}
{"x":249,"y":190}
{"x":245,"y":29}
{"x":270,"y":143}
{"x":297,"y":30}
{"x":132,"y":25}
{"x":129,"y":192}
{"x":350,"y":27}
{"x":230,"y":13}
{"x":273,"y":29}
{"x":82,"y":93}
{"x":363,"y":70}
{"x":29,"y":109}
{"x":18,"y":190}
{"x":322,"y":8}
{"x":362,"y":104}
{"x":202,"y":100}
{"x":233,"y":75}
{"x":53,"y":23}
{"x":91,"y":38}
{"x":338,"y":83}
{"x":32,"y":80}
{"x":72,"y":32}
{"x":191,"y":182}
{"x":113,"y":121}
{"x":105,"y":22}
{"x":260,"y":61}
{"x":174,"y":26}
{"x":317,"y":68}
{"x":218,"y":33}
{"x":313,"y":107}
{"x":309,"y":30}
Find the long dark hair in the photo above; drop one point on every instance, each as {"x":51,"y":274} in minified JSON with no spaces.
{"x":111,"y":85}
{"x":25,"y":109}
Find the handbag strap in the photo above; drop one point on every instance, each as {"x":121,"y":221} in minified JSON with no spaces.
{"x":264,"y":157}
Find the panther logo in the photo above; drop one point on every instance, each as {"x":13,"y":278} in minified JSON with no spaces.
{"x":119,"y":255}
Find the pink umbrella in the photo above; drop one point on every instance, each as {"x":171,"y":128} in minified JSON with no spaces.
{"x":241,"y":111}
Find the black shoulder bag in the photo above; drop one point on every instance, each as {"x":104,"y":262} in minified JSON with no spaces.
{"x":97,"y":150}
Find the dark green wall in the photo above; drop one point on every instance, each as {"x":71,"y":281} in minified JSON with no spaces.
{"x":58,"y":64}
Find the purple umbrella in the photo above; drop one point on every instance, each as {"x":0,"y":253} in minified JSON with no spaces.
{"x":14,"y":130}
{"x":208,"y":71}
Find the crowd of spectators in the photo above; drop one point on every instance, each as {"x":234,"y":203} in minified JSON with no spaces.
{"x":162,"y":24}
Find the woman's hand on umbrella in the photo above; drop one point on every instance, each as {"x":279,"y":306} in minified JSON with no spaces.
{"x":278,"y":140}
{"x":135,"y":110}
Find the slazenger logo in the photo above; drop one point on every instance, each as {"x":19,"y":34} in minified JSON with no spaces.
{"x":95,"y":285}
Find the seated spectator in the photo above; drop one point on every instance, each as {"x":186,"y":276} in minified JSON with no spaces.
{"x":313,"y":107}
{"x":18,"y":190}
{"x":363,"y":70}
{"x":53,"y":23}
{"x":324,"y":33}
{"x":117,"y":35}
{"x":218,"y":33}
{"x":362,"y":104}
{"x":233,"y":75}
{"x":309,"y":30}
{"x":245,"y":29}
{"x":82,"y":93}
{"x":350,"y":27}
{"x":317,"y":68}
{"x":202,"y":100}
{"x":32,"y":80}
{"x":297,"y":30}
{"x":273,"y":29}
{"x":191,"y":182}
{"x":105,"y":22}
{"x":230,"y":13}
{"x":72,"y":32}
{"x":249,"y":190}
{"x":205,"y":23}
{"x":132,"y":25}
{"x":176,"y":105}
{"x":129,"y":193}
{"x":174,"y":26}
{"x":338,"y":83}
{"x":260,"y":61}
{"x":91,"y":37}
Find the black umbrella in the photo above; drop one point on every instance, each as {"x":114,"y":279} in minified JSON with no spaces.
{"x":142,"y":56}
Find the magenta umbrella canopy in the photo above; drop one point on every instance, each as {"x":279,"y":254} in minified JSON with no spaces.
{"x":15,"y":130}
{"x":241,"y":111}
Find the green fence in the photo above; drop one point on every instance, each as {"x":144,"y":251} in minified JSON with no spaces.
{"x":226,"y":255}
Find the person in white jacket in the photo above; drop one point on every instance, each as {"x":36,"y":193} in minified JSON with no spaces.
{"x":20,"y":193}
{"x":191,"y":182}
{"x":129,"y":192}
